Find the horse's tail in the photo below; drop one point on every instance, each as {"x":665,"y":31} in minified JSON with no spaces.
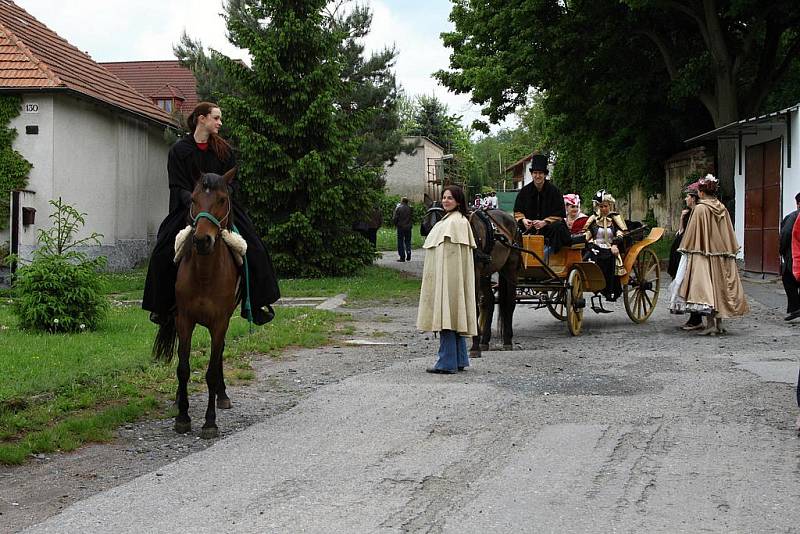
{"x":164,"y":345}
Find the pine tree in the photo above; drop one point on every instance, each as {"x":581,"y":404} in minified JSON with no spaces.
{"x":297,"y":149}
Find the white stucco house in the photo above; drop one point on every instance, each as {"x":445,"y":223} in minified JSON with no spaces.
{"x":92,"y":139}
{"x":766,"y":179}
{"x":418,"y":175}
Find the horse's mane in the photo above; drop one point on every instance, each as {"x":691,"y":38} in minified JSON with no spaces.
{"x":214,"y":182}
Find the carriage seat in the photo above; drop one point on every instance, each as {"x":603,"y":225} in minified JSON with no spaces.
{"x":536,"y":244}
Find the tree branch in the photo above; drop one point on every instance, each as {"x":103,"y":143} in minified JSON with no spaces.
{"x":663,"y":48}
{"x":766,"y":82}
{"x":747,"y":48}
{"x":716,"y":35}
{"x":694,"y":15}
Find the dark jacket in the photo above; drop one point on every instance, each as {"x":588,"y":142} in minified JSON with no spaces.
{"x":159,"y":290}
{"x":785,"y":247}
{"x":402,"y":216}
{"x":547,"y":204}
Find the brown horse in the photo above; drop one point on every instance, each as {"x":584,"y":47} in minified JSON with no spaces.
{"x":494,"y":230}
{"x":206,"y":293}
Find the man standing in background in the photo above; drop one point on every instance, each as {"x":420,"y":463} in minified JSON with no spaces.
{"x":402,"y":220}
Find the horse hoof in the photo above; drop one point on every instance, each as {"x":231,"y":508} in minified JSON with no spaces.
{"x":224,"y":404}
{"x":484,"y":347}
{"x":474,"y":354}
{"x":209,"y":432}
{"x":508,"y":347}
{"x":182,"y":427}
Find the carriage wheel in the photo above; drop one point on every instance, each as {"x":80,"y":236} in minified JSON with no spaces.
{"x":555,"y":304}
{"x":641,"y":291}
{"x":574,"y":300}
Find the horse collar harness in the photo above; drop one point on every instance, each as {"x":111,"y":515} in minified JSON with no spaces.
{"x":484,"y":251}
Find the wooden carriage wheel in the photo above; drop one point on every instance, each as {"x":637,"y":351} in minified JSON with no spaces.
{"x":556,"y":305}
{"x":574,"y":301}
{"x":641,"y":291}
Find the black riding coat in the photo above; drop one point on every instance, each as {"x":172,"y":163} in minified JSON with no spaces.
{"x":539,"y":205}
{"x":545,"y":205}
{"x":159,"y":291}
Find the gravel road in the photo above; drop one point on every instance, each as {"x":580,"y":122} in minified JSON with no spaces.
{"x":626,"y":428}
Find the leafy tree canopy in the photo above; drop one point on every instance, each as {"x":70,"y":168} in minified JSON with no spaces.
{"x":622,"y":82}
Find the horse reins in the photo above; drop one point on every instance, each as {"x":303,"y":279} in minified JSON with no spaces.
{"x":209,"y":216}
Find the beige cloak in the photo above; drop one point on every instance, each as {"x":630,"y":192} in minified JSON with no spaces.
{"x":447,"y":298}
{"x":712,"y":278}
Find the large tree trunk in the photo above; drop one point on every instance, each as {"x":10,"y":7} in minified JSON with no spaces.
{"x":727,"y":112}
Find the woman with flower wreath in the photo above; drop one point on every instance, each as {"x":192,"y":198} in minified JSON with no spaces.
{"x":711,"y":285}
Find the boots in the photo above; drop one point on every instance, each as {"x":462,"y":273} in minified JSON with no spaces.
{"x":713,"y":326}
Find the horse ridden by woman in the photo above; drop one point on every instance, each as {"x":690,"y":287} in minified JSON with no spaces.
{"x":207,"y":292}
{"x":490,"y":257}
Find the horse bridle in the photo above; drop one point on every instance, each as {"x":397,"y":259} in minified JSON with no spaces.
{"x":209,"y":216}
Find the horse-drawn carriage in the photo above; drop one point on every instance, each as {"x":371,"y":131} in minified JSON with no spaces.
{"x":558,"y":281}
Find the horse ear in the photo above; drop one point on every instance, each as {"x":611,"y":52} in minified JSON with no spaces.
{"x":228,"y":176}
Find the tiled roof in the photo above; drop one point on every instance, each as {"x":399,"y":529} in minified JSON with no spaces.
{"x":159,"y":79}
{"x":34,"y":57}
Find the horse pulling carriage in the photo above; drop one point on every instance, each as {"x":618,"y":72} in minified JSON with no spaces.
{"x":559,"y":282}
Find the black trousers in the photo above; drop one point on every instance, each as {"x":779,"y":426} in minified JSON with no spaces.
{"x":791,"y":287}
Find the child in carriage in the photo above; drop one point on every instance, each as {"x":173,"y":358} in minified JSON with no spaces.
{"x":604,"y":234}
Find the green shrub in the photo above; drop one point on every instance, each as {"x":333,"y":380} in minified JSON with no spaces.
{"x":57,"y":295}
{"x":60,"y":290}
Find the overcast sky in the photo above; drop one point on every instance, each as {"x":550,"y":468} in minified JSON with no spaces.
{"x":120,"y":30}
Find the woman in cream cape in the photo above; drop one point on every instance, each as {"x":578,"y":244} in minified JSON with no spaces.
{"x":447,"y":299}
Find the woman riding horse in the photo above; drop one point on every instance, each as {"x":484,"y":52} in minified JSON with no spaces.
{"x":204,"y":150}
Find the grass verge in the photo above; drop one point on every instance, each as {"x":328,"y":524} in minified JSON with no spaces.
{"x":63,"y":390}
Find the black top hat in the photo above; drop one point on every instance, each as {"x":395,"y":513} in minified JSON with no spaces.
{"x":539,"y":163}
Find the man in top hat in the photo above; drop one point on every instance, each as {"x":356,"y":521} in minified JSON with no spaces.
{"x":539,"y":207}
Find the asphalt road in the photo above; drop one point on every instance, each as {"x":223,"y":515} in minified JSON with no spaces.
{"x":627,"y":428}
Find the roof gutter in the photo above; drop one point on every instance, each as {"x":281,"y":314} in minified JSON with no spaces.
{"x":84,"y":96}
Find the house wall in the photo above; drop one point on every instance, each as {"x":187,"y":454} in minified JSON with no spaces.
{"x":667,"y":206}
{"x":37,"y":149}
{"x":105,"y":164}
{"x":790,"y":177}
{"x":408,"y":177}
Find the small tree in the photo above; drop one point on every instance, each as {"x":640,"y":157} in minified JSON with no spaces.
{"x":60,"y":290}
{"x":298,"y":149}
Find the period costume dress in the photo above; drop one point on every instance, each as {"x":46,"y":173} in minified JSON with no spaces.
{"x":159,"y":290}
{"x":447,"y":298}
{"x":601,"y":233}
{"x":708,"y":280}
